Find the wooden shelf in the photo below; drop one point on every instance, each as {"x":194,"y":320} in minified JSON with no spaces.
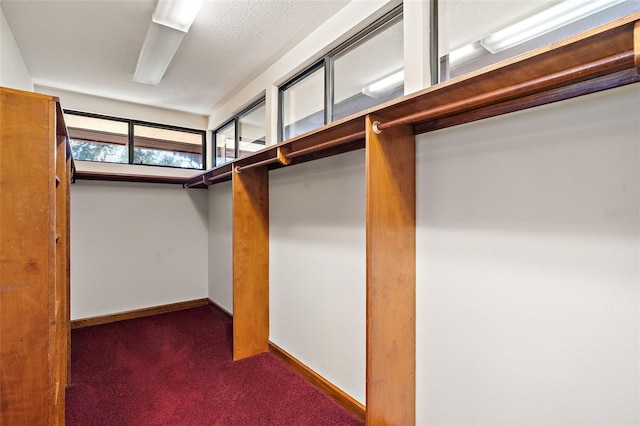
{"x":599,"y":59}
{"x":34,"y":324}
{"x":123,"y":177}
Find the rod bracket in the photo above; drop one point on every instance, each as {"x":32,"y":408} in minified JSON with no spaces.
{"x":375,"y":127}
{"x":282,"y":155}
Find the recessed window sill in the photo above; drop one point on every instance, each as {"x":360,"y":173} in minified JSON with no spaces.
{"x":89,"y":170}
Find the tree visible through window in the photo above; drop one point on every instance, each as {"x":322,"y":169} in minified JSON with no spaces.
{"x":105,"y":139}
{"x":95,"y":151}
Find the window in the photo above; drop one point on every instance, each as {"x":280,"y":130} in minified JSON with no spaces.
{"x":302,"y":102}
{"x":251,"y":129}
{"x":476,"y":34}
{"x":361,"y":80}
{"x":242,"y":135}
{"x":159,"y":146}
{"x":116,"y":140}
{"x":349,"y":79}
{"x":225,"y":138}
{"x":98,"y":139}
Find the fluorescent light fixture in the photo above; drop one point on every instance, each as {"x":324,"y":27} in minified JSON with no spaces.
{"x":156,"y":54}
{"x":171,"y":21}
{"x":466,"y":53}
{"x":384,"y":85}
{"x":546,"y":21}
{"x":177,"y":14}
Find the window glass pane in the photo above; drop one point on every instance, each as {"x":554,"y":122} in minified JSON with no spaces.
{"x":369,"y":73}
{"x":251,"y":129}
{"x":165,"y":147}
{"x":477,"y":34}
{"x":225,"y":144}
{"x":303,"y":105}
{"x":96,"y":139}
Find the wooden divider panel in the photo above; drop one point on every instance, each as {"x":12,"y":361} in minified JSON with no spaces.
{"x":250,"y":262}
{"x":27,"y":257}
{"x":59,"y":352}
{"x":391,"y":275}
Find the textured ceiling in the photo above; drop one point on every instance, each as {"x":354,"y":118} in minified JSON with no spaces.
{"x":92,"y":46}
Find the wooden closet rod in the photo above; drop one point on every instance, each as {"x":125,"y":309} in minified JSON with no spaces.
{"x":328,"y":144}
{"x":536,"y":85}
{"x":288,"y":156}
{"x":239,"y":169}
{"x":206,"y":181}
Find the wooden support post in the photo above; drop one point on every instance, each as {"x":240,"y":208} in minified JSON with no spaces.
{"x":250,"y":262}
{"x":391,"y":275}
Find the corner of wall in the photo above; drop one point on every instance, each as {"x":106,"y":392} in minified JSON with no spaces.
{"x":13,"y":70}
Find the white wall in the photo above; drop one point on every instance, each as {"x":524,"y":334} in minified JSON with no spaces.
{"x":13,"y":71}
{"x":221,"y":245}
{"x":135,"y":246}
{"x":95,"y":104}
{"x":317,"y":264}
{"x":527,"y":290}
{"x":317,"y":267}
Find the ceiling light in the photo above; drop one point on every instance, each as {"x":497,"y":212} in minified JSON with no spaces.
{"x":465,"y":53}
{"x":157,"y":51}
{"x":170,"y":22}
{"x":384,"y":85}
{"x":178,"y":14}
{"x":546,"y":21}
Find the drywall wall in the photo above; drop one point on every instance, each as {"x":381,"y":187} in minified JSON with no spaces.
{"x":136,"y":245}
{"x":317,"y":264}
{"x":13,"y":71}
{"x":221,"y":245}
{"x":97,"y":105}
{"x":317,"y":267}
{"x":528,"y":266}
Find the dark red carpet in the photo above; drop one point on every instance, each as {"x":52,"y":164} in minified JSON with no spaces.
{"x":177,"y":369}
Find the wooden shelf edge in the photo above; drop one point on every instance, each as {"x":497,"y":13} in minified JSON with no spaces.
{"x":121,"y":177}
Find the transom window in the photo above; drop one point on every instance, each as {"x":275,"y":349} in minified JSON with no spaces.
{"x":100,"y":138}
{"x":242,"y":135}
{"x":473,"y":35}
{"x":349,"y":79}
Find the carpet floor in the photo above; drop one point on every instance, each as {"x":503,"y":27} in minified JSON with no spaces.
{"x":177,"y":369}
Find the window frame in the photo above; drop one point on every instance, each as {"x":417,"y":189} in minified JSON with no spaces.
{"x":235,"y":119}
{"x":262,"y":102}
{"x":316,"y":66}
{"x":131,"y":137}
{"x":326,"y":62}
{"x":214,"y":140}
